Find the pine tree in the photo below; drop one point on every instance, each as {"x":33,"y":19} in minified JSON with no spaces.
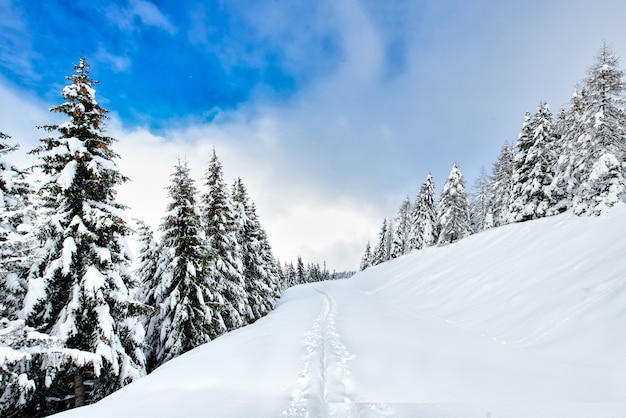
{"x":501,"y":184}
{"x":481,"y":215}
{"x":289,"y":272}
{"x":148,"y":271}
{"x":185,"y":315}
{"x":381,"y":250}
{"x":366,"y":261}
{"x":400,"y":233}
{"x":224,"y":256}
{"x":301,"y":276}
{"x":16,"y":218}
{"x":259,"y":266}
{"x":562,"y":186}
{"x":534,"y":169}
{"x":78,"y":292}
{"x":453,"y":217}
{"x":423,"y":232}
{"x":600,"y":161}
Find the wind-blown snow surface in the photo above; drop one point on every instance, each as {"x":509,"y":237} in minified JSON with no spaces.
{"x":527,"y":320}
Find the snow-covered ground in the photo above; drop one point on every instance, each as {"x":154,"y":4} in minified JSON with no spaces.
{"x":527,"y":320}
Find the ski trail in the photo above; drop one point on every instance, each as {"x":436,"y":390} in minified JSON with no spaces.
{"x":320,"y":389}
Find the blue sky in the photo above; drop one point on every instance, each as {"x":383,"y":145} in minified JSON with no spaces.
{"x":331,"y":111}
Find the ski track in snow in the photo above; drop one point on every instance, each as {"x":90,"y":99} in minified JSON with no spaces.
{"x":320,"y":389}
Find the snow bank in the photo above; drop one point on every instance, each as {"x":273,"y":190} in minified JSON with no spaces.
{"x":525,"y":320}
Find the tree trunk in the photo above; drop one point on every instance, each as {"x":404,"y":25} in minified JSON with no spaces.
{"x":79,"y":388}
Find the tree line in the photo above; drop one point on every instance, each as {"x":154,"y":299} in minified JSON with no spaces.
{"x":575,"y":161}
{"x":76,"y":321}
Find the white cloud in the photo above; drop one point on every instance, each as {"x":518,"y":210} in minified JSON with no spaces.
{"x":118,"y":63}
{"x":145,"y":11}
{"x":16,"y":50}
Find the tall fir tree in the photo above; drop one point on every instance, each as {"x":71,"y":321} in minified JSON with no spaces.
{"x":224,"y":256}
{"x":401,"y":231}
{"x":366,"y":260}
{"x":16,"y":218}
{"x":600,"y":160}
{"x":501,"y":184}
{"x":78,"y":291}
{"x":147,"y":272}
{"x":381,"y":250}
{"x":481,"y":215}
{"x":300,"y":272}
{"x":423,"y":232}
{"x":262,"y":279}
{"x":534,"y":170}
{"x":453,"y":215}
{"x":185,"y":312}
{"x":560,"y":189}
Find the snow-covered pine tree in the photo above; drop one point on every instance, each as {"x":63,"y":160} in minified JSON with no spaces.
{"x":78,"y":291}
{"x":561,"y":187}
{"x":259,"y":266}
{"x":400,"y":233}
{"x":224,"y":256}
{"x":453,"y":216}
{"x":185,"y":297}
{"x":366,"y":261}
{"x":314,"y":273}
{"x":481,"y":216}
{"x":500,"y":186}
{"x":301,"y":276}
{"x":16,"y":218}
{"x":147,"y":273}
{"x":423,"y":232}
{"x":381,"y":250}
{"x":289,"y":271}
{"x":600,"y":160}
{"x":534,"y":170}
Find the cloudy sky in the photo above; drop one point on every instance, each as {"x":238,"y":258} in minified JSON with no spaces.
{"x":331,"y":111}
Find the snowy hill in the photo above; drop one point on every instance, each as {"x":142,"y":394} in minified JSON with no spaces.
{"x":527,"y":320}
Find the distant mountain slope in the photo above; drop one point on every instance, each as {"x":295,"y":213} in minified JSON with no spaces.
{"x":527,"y":320}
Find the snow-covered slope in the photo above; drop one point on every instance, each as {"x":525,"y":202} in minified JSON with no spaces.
{"x":527,"y":320}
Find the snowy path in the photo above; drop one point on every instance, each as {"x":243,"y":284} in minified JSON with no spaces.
{"x":321,"y":390}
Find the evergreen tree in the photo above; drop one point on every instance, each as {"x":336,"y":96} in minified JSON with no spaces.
{"x":301,"y":276}
{"x":501,"y":184}
{"x":400,"y":234}
{"x":453,"y":218}
{"x":534,"y":168}
{"x":184,"y":300}
{"x":600,"y":161}
{"x":148,"y":272}
{"x":78,"y":291}
{"x":16,"y":218}
{"x":562,"y":186}
{"x":259,"y":267}
{"x":366,"y":261}
{"x":423,"y":232}
{"x":481,"y":216}
{"x":381,"y":250}
{"x":290,"y":275}
{"x":224,"y":256}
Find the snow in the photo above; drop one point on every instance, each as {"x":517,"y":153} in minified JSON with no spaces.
{"x":36,"y":291}
{"x":69,"y":248}
{"x":66,"y":177}
{"x":94,"y":282}
{"x":525,"y":320}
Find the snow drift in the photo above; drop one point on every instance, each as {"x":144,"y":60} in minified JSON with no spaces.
{"x":526,"y":320}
